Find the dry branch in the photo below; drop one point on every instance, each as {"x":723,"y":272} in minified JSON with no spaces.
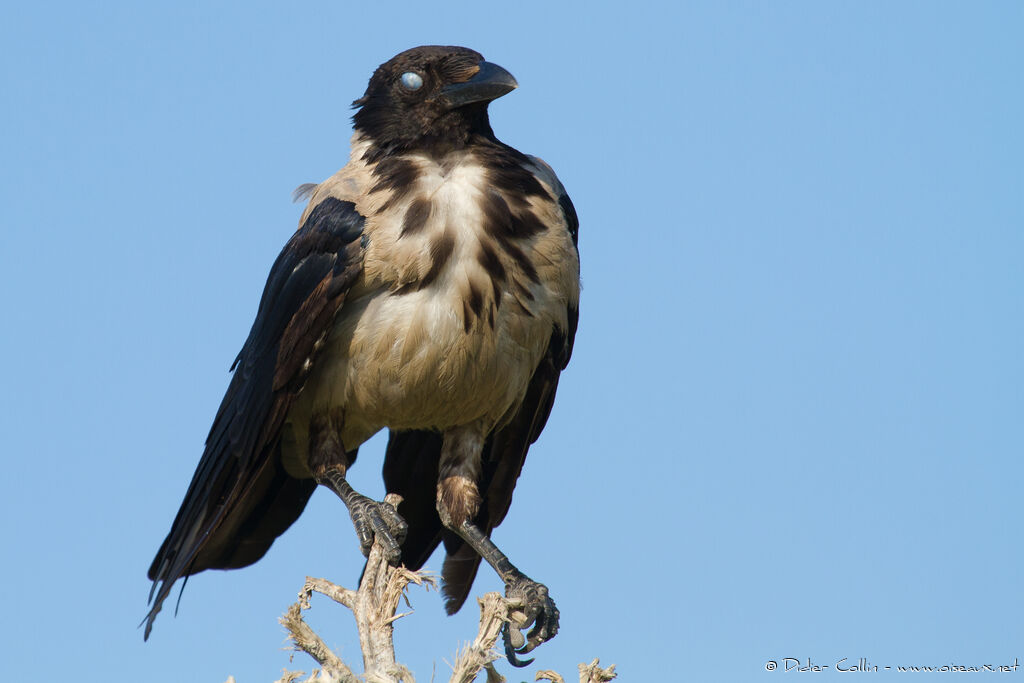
{"x":494,"y":613}
{"x":593,"y":673}
{"x":374,"y":607}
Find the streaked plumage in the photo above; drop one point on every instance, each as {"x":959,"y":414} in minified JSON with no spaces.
{"x":431,"y":289}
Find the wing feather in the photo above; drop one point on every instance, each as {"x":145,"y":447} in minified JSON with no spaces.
{"x":240,"y":498}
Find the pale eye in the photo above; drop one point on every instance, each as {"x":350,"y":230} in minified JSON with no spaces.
{"x":412,"y":80}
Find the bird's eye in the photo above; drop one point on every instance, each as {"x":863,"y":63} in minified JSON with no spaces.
{"x":412,"y":80}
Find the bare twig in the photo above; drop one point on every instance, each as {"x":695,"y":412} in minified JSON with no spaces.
{"x":547,"y":675}
{"x":494,"y":612}
{"x":318,"y":676}
{"x":374,"y":607}
{"x":593,"y":673}
{"x":306,"y":639}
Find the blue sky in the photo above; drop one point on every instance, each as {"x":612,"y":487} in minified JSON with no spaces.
{"x":794,"y":420}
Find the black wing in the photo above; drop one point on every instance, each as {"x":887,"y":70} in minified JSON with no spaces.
{"x":240,"y":498}
{"x":412,"y":457}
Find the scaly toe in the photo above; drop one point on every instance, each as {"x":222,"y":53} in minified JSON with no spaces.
{"x":537,"y":609}
{"x":380,"y":521}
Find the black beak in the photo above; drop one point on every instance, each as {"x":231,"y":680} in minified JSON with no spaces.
{"x":489,"y":83}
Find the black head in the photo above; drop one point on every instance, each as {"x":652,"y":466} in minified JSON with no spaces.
{"x":430,"y":97}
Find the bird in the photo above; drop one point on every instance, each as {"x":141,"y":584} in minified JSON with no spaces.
{"x":431,"y":289}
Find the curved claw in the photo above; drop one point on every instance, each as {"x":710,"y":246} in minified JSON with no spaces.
{"x":535,"y":608}
{"x":510,"y":651}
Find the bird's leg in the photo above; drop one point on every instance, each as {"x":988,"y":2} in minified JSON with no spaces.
{"x":458,"y":500}
{"x":538,"y":607}
{"x":372,"y":519}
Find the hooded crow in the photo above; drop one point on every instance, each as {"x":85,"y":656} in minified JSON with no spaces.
{"x":431,"y":289}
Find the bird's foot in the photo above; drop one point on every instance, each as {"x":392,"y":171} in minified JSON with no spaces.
{"x":533,"y":606}
{"x":380,"y":521}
